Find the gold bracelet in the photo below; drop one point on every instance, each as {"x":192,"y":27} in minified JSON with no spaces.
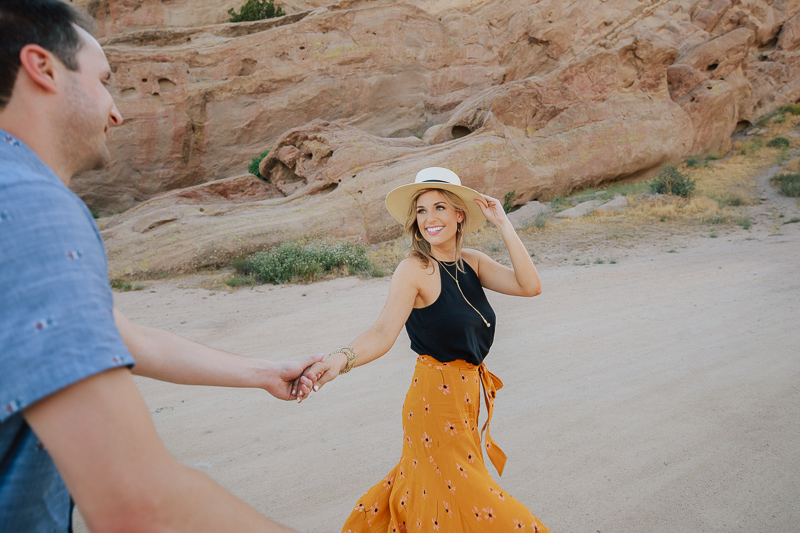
{"x":351,"y":358}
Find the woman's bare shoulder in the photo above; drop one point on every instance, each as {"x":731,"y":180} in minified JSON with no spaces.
{"x":414,"y":270}
{"x":469,"y":253}
{"x":473,"y":257}
{"x":414,"y":266}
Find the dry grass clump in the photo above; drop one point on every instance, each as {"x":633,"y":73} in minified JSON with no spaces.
{"x":792,"y":166}
{"x":486,"y":238}
{"x":731,"y":181}
{"x":695,"y":208}
{"x":386,"y":255}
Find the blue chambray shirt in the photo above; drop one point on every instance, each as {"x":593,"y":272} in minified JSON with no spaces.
{"x":56,"y":326}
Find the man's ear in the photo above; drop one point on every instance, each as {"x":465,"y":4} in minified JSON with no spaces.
{"x":40,"y":66}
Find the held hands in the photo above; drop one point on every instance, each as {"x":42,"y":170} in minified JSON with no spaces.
{"x":290,"y":380}
{"x":493,"y":210}
{"x":323,"y":371}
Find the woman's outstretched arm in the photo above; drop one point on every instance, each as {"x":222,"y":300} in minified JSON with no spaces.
{"x":378,"y":339}
{"x":523,"y":278}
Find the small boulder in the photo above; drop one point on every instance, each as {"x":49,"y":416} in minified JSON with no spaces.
{"x":528,"y":213}
{"x":582,"y":209}
{"x":615,"y":205}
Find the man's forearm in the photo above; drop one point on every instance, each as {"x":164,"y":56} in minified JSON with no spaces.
{"x":175,"y":499}
{"x":165,"y":356}
{"x":101,"y":437}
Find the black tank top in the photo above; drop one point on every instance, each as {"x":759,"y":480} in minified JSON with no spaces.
{"x":449,"y":329}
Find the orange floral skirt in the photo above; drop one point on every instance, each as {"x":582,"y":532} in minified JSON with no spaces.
{"x":441,"y":482}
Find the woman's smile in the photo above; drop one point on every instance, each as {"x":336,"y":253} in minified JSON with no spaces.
{"x":434,"y":230}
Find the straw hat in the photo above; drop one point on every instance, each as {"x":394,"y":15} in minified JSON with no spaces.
{"x":398,"y":200}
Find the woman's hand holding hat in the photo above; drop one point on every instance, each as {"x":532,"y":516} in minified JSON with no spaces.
{"x":493,"y":211}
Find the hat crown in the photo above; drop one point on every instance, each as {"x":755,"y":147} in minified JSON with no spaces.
{"x":398,"y":201}
{"x":437,"y":175}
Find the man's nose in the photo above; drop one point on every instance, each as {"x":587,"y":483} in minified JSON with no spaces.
{"x":115,"y":117}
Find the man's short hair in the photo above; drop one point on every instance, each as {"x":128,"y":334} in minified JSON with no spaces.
{"x":48,"y":23}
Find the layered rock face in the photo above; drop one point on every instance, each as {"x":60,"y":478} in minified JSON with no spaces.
{"x":113,"y":17}
{"x":352,"y":98}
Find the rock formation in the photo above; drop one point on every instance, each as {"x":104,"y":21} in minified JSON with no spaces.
{"x":537,"y":98}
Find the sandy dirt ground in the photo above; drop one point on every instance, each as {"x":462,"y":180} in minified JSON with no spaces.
{"x":657,"y":390}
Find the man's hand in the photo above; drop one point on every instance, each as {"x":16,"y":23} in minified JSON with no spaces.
{"x":324,"y":370}
{"x":291,"y":380}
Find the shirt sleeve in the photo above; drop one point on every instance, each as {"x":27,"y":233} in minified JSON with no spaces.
{"x":56,"y":318}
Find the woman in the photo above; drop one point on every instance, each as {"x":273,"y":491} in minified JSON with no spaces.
{"x":441,"y":482}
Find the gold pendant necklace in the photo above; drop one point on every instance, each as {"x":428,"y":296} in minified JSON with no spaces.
{"x":455,"y":278}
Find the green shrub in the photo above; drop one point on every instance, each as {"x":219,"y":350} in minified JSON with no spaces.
{"x":236,"y":281}
{"x":787,"y":184}
{"x":122,"y":285}
{"x":560,"y":203}
{"x":735,"y":201}
{"x":692,"y":162}
{"x":670,"y":181}
{"x":730,"y":200}
{"x":375,"y":272}
{"x":779,"y":142}
{"x":255,"y":10}
{"x":243,"y":266}
{"x":252,"y":168}
{"x":508,"y":201}
{"x":762,"y":121}
{"x":793,"y":109}
{"x":305,"y":262}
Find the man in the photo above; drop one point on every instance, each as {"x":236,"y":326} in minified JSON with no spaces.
{"x":71,"y":416}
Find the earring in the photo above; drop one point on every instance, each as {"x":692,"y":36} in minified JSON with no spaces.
{"x":418,"y":238}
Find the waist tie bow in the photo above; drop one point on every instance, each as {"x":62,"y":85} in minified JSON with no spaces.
{"x":491,"y":384}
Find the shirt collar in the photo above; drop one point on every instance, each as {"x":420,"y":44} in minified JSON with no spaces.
{"x":14,"y":150}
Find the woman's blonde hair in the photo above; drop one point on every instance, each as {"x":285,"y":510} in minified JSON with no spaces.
{"x":420,"y":248}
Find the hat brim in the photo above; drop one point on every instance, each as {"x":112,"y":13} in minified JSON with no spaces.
{"x":398,"y":201}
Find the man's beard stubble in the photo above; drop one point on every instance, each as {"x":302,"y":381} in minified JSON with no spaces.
{"x":84,"y":141}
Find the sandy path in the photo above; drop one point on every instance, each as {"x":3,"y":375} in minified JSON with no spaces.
{"x":658,"y":393}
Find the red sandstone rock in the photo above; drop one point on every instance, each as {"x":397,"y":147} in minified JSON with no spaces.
{"x":537,"y":137}
{"x":789,"y":37}
{"x":537,"y":98}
